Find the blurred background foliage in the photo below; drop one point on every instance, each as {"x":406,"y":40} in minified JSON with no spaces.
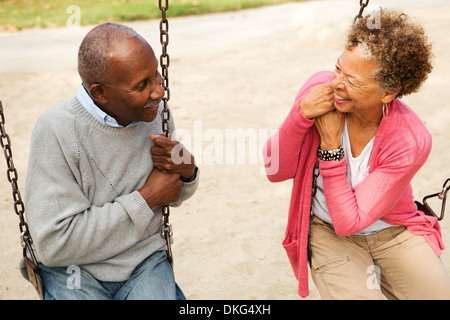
{"x":17,"y":15}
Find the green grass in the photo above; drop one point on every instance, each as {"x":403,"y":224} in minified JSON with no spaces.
{"x":18,"y":15}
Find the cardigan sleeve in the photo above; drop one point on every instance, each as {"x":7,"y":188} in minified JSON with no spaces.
{"x":398,"y":156}
{"x":282,"y":150}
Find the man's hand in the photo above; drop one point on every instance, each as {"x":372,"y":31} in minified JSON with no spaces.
{"x":172,"y":157}
{"x":318,"y":101}
{"x":161,"y":188}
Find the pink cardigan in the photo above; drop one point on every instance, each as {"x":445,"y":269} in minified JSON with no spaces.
{"x":402,"y":145}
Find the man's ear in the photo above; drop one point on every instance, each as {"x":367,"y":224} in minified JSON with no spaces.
{"x":97,"y":92}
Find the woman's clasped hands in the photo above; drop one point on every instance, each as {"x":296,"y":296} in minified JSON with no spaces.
{"x":318,"y":104}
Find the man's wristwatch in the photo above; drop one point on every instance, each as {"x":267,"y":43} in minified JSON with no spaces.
{"x":192,"y":178}
{"x":330,"y":155}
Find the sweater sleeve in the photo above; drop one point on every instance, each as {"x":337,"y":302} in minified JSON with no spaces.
{"x":283,"y":149}
{"x":188,"y":189}
{"x":66,"y":228}
{"x":353,"y":210}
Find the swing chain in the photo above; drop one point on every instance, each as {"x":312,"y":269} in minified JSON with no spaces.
{"x":166,"y":228}
{"x":12,"y":175}
{"x":425,"y":207}
{"x":25,"y":237}
{"x":443,"y":194}
{"x":165,"y":61}
{"x":362,"y":5}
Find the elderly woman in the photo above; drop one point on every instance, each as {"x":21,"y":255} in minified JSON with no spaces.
{"x":349,"y":133}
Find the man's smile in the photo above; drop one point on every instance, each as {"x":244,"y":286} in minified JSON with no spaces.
{"x":153,"y":105}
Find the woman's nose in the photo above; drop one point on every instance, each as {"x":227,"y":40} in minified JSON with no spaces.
{"x":338,"y":82}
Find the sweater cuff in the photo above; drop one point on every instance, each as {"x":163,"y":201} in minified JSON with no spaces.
{"x":187,"y":190}
{"x":332,"y":168}
{"x":138,"y":210}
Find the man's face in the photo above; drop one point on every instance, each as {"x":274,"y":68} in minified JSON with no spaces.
{"x":135,"y":91}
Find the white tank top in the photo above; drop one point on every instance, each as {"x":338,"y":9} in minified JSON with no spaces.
{"x":357,"y":170}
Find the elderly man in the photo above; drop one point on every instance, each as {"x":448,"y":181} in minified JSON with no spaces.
{"x":99,"y":173}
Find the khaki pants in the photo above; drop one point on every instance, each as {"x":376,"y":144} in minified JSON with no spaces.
{"x":392,"y":263}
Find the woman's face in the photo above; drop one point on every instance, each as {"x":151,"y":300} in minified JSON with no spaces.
{"x":354,"y":89}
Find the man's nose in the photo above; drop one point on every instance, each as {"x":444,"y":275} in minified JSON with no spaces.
{"x":157,"y":92}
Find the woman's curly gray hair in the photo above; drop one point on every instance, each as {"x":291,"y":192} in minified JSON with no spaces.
{"x":399,"y":46}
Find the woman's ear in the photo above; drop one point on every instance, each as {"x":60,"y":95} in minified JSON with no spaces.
{"x":390,"y":95}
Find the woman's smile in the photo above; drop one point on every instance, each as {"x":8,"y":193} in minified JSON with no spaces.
{"x":338,"y":99}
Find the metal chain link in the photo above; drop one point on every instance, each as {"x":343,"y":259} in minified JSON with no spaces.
{"x":12,"y":175}
{"x":311,"y":206}
{"x":19,"y":208}
{"x":166,"y":228}
{"x":362,"y":5}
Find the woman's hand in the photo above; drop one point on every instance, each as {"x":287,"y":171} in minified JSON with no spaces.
{"x":318,"y":101}
{"x":330,"y":126}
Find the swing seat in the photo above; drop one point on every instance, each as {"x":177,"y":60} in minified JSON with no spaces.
{"x":23,"y":269}
{"x":30,"y":273}
{"x":424,"y":206}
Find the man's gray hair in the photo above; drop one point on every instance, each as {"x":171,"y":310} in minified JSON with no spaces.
{"x":95,"y":51}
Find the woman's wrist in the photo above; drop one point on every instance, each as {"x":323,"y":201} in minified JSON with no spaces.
{"x":330,"y":145}
{"x":303,"y":111}
{"x":335,"y":154}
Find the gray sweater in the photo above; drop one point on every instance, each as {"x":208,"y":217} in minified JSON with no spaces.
{"x":81,"y":198}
